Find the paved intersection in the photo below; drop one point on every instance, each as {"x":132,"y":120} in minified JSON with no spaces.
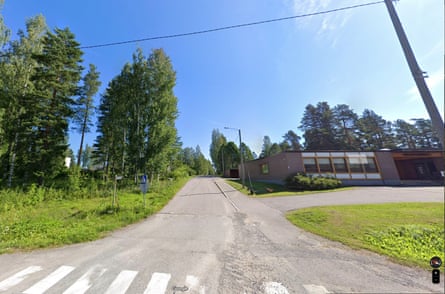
{"x":206,"y":241}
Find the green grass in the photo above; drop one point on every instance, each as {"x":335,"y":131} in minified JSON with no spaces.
{"x":59,"y":222}
{"x":263,"y":190}
{"x":409,"y":233}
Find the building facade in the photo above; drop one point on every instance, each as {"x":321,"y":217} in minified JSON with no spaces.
{"x":386,"y":167}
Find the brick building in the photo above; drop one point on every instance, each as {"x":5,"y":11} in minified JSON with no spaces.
{"x":385,"y":167}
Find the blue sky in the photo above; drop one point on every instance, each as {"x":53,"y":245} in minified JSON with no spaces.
{"x":260,"y":78}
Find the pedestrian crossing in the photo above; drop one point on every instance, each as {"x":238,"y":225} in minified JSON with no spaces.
{"x":37,"y":280}
{"x":158,"y":283}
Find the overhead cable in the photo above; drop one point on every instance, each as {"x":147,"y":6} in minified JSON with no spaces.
{"x":229,"y":27}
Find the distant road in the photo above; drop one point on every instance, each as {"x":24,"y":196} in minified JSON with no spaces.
{"x":206,"y":241}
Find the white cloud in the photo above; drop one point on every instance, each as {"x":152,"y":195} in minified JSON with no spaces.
{"x":325,"y":26}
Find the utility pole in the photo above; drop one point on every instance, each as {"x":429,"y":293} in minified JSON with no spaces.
{"x":241,"y":156}
{"x":418,"y":74}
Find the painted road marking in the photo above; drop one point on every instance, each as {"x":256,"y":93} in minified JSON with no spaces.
{"x":315,"y":289}
{"x":122,"y":282}
{"x":158,"y":283}
{"x":84,"y":282}
{"x":18,"y":277}
{"x":192,"y":283}
{"x":274,"y":288}
{"x":50,"y":280}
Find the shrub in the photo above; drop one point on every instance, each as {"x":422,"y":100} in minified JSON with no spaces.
{"x":183,"y":171}
{"x":302,"y":181}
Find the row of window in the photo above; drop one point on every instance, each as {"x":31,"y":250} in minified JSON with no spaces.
{"x":356,"y":164}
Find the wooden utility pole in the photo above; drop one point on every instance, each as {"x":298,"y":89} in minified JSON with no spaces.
{"x":418,"y":74}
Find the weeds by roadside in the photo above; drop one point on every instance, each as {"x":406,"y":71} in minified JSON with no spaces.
{"x":45,"y":217}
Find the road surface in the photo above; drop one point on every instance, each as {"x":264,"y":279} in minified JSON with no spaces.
{"x":206,"y":241}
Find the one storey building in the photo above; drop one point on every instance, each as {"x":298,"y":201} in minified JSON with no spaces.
{"x":384,"y":167}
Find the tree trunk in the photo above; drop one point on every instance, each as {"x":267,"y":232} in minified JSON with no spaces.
{"x":84,"y":125}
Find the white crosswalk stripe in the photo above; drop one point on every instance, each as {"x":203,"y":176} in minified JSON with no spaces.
{"x":315,"y":289}
{"x":84,"y":282}
{"x":157,"y":285}
{"x":122,"y":282}
{"x":50,"y":280}
{"x":18,"y":277}
{"x":192,"y":283}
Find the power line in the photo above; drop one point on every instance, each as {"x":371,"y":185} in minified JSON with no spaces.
{"x":229,"y":27}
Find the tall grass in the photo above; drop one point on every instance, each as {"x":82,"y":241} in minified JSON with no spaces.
{"x":40,"y":217}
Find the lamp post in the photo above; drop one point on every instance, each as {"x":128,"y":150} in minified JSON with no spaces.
{"x":241,"y":153}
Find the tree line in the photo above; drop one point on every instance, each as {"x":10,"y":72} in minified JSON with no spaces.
{"x":40,"y":74}
{"x":333,"y":128}
{"x":45,"y":91}
{"x":340,"y":128}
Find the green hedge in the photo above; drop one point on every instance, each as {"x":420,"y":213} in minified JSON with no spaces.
{"x":302,"y":182}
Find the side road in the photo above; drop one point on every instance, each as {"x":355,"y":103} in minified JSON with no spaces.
{"x":362,"y":195}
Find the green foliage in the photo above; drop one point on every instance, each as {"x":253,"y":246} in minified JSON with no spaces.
{"x":230,"y":154}
{"x":46,"y":217}
{"x":195,"y":161}
{"x":302,"y":182}
{"x":410,"y":233}
{"x":218,"y":141}
{"x":182,"y":171}
{"x":137,"y":114}
{"x":264,"y":189}
{"x":291,"y":141}
{"x":375,"y":132}
{"x":409,"y":242}
{"x":318,"y":124}
{"x":84,"y":107}
{"x":53,"y":101}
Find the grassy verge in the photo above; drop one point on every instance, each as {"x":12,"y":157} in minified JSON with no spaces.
{"x":409,"y":233}
{"x":263,"y":190}
{"x":58,"y":222}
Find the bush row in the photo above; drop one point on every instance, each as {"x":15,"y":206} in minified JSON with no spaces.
{"x":302,"y":182}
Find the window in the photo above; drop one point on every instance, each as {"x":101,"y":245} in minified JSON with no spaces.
{"x":355,"y":165}
{"x":325,"y":165}
{"x":369,"y":164}
{"x":265,"y":169}
{"x":340,"y":165}
{"x":310,"y":165}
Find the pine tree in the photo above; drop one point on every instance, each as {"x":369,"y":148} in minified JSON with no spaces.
{"x":405,"y":134}
{"x":319,"y":127}
{"x":84,"y":108}
{"x":56,"y":78}
{"x":16,"y":92}
{"x":375,"y":132}
{"x":425,"y":136}
{"x":291,"y":141}
{"x":345,"y":120}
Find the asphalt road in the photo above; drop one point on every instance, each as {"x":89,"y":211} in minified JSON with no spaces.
{"x":206,"y":241}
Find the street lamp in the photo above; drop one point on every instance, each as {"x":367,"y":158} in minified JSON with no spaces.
{"x":241,"y":153}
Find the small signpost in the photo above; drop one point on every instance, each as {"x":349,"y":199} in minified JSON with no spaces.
{"x":115,"y":200}
{"x":144,"y":186}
